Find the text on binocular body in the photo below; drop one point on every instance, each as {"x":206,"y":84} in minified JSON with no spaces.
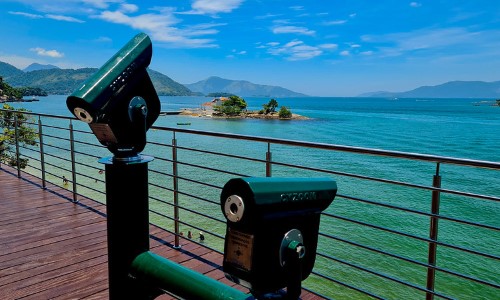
{"x":292,"y":197}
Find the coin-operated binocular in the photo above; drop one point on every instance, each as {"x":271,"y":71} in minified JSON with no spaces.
{"x":119,"y":101}
{"x":272,"y":231}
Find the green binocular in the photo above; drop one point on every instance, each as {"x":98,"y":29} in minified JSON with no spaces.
{"x":119,"y":101}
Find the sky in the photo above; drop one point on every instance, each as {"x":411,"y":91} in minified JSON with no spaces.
{"x":316,"y":47}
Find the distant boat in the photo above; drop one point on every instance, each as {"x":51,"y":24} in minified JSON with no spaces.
{"x":33,"y":99}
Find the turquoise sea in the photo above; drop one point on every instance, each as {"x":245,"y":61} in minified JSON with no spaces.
{"x":447,"y":127}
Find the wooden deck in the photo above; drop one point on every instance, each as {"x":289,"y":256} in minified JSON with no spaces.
{"x":52,"y":248}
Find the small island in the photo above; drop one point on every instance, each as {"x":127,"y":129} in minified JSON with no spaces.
{"x":234,"y":107}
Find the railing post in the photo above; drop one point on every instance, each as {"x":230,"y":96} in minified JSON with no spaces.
{"x":268,"y":161}
{"x":176,"y":192}
{"x":18,"y":156}
{"x":433,"y":234}
{"x":73,"y":163}
{"x":42,"y":153}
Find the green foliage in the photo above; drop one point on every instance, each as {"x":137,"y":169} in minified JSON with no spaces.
{"x":232,"y":106}
{"x":8,"y":91}
{"x":270,"y":107}
{"x":498,"y":102}
{"x":220,"y":94}
{"x":31,"y":91}
{"x":10,"y":118}
{"x":285,"y":113}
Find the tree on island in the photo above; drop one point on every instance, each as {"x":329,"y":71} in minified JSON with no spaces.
{"x":10,"y":118}
{"x":270,"y":107}
{"x":232,"y":106}
{"x":285,"y":113}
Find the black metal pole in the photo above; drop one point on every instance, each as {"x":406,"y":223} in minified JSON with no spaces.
{"x":128,"y":222}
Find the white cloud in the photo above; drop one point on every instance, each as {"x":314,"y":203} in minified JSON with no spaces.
{"x":336,"y":22}
{"x":415,"y":4}
{"x":128,"y":8}
{"x":213,"y":7}
{"x":345,"y":53}
{"x":293,"y":43}
{"x":47,"y":16}
{"x":329,"y":46}
{"x":297,"y":7}
{"x":292,"y":29}
{"x":27,"y":15}
{"x":49,"y":53}
{"x":296,"y":50}
{"x":64,"y":18}
{"x":102,"y":4}
{"x":163,"y":27}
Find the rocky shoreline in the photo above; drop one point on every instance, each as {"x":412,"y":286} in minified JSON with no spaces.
{"x":243,"y":115}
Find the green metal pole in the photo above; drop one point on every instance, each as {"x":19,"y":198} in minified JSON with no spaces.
{"x":127,"y":223}
{"x":181,"y":281}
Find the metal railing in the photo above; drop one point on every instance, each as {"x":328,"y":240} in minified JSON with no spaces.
{"x":403,"y":225}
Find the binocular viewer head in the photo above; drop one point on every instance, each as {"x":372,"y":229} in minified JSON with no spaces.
{"x":265,"y":216}
{"x":119,"y":101}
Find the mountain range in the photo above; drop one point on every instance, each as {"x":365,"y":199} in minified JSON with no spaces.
{"x":58,"y":81}
{"x":65,"y":81}
{"x":241,"y":88}
{"x":54,"y":80}
{"x":37,"y":66}
{"x":451,"y":89}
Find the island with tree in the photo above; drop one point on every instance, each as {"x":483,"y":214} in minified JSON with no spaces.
{"x":236,"y":107}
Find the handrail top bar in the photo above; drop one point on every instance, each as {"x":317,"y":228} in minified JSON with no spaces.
{"x":343,"y":148}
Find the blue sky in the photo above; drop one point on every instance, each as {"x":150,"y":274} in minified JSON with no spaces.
{"x":317,"y":47}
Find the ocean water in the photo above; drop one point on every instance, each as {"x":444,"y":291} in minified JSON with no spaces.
{"x":447,"y":127}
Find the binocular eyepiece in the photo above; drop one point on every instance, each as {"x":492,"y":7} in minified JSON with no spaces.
{"x":119,"y":101}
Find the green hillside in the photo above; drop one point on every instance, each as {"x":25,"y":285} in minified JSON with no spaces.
{"x":7,"y":70}
{"x":65,"y":81}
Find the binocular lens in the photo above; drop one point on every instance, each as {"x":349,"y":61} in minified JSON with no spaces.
{"x":83,"y":115}
{"x":234,"y":208}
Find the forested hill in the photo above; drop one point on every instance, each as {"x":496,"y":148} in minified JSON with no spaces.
{"x":65,"y":81}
